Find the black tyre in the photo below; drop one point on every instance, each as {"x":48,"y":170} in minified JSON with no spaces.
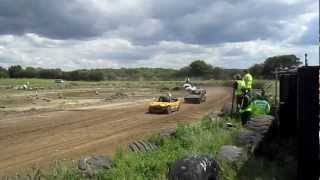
{"x":140,"y":146}
{"x":133,"y":147}
{"x":145,"y":145}
{"x":194,"y":168}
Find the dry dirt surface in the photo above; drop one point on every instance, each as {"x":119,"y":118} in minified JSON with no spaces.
{"x":39,"y":139}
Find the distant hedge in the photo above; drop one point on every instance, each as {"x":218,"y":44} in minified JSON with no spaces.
{"x":198,"y":70}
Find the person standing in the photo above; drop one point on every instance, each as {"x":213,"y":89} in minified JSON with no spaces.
{"x":238,"y":85}
{"x":248,"y":80}
{"x":245,"y":107}
{"x":188,"y":80}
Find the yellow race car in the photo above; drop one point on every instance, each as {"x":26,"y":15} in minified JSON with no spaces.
{"x":165,"y":104}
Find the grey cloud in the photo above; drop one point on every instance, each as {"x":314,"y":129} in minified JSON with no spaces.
{"x":310,"y":37}
{"x":54,"y":19}
{"x":197,"y":22}
{"x":223,"y":21}
{"x":77,"y":33}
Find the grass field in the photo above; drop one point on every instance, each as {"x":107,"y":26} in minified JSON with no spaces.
{"x":50,"y":84}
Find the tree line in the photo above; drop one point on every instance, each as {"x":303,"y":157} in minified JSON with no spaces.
{"x":17,"y":71}
{"x":198,"y":69}
{"x":266,"y":69}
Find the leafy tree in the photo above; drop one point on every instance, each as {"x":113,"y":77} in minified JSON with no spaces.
{"x":96,"y":75}
{"x":3,"y":73}
{"x":266,"y":69}
{"x":30,"y":72}
{"x":50,"y":73}
{"x":183,"y":72}
{"x":256,"y":70}
{"x":272,"y":63}
{"x":200,"y":68}
{"x":74,"y":76}
{"x":15,"y":71}
{"x":219,"y":73}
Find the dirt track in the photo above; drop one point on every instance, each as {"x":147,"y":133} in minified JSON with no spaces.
{"x":41,"y":138}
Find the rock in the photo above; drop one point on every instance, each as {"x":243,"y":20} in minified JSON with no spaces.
{"x":170,"y":132}
{"x":247,"y":137}
{"x":231,"y":153}
{"x":250,"y":138}
{"x":89,"y":165}
{"x":260,"y":124}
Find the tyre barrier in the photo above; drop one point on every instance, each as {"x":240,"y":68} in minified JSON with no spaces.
{"x":89,"y":165}
{"x":202,"y":167}
{"x":142,"y":146}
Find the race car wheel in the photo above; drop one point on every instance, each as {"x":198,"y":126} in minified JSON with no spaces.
{"x":168,"y":110}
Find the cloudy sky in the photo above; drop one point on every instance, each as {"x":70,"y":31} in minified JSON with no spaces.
{"x":72,"y":34}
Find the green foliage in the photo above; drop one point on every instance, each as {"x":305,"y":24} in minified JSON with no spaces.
{"x":50,"y":74}
{"x":204,"y":137}
{"x":257,"y":70}
{"x":200,"y":68}
{"x":30,"y":72}
{"x":267,"y":68}
{"x":197,"y":70}
{"x":15,"y":71}
{"x":3,"y":73}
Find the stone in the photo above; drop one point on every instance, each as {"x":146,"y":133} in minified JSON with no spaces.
{"x":170,"y":132}
{"x":260,"y":124}
{"x":248,"y":137}
{"x":231,"y":153}
{"x":89,"y":165}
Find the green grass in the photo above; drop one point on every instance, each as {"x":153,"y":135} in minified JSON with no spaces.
{"x":200,"y":138}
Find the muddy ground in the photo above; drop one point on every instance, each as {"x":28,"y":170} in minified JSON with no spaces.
{"x":39,"y":132}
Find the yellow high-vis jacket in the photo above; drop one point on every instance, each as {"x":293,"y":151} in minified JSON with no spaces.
{"x":240,"y":85}
{"x":247,"y":78}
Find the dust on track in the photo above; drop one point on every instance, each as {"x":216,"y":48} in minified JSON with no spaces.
{"x":38,"y":139}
